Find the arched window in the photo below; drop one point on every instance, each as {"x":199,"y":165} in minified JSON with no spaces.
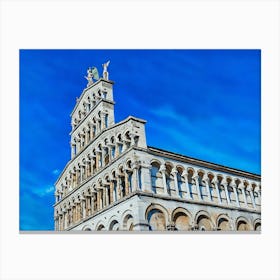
{"x":242,"y":226}
{"x":156,"y":220}
{"x":223,"y":224}
{"x":106,"y":120}
{"x":155,"y":177}
{"x":181,"y":221}
{"x":204,"y":223}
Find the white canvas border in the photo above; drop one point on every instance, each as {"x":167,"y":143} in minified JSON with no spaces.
{"x":155,"y":24}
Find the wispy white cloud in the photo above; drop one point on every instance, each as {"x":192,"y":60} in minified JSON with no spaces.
{"x":43,"y":191}
{"x":55,"y":171}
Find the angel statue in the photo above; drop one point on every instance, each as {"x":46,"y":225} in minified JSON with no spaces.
{"x":92,"y":73}
{"x":89,"y":77}
{"x":105,"y":72}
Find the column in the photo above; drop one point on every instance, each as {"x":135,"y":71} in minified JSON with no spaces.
{"x":98,"y":199}
{"x":196,"y":177}
{"x":233,"y":185}
{"x":126,"y":182}
{"x":65,"y":218}
{"x":83,"y":206}
{"x":135,"y":179}
{"x":146,"y":183}
{"x":92,"y":210}
{"x":72,"y":149}
{"x":111,"y":191}
{"x":250,"y":189}
{"x":224,"y":183}
{"x":174,"y":173}
{"x":244,"y":194}
{"x":119,"y":193}
{"x":103,"y":122}
{"x":187,"y":188}
{"x":207,"y":184}
{"x":117,"y":149}
{"x":216,"y":182}
{"x":162,"y":170}
{"x":258,"y":190}
{"x":78,"y":145}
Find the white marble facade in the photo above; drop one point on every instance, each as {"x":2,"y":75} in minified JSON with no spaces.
{"x":114,"y":181}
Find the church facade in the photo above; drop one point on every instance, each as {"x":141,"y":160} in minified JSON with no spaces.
{"x":115,"y":181}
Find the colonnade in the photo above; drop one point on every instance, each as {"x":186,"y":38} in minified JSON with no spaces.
{"x":94,"y":161}
{"x":186,"y":183}
{"x":85,"y":108}
{"x":102,"y":194}
{"x":88,"y":132}
{"x":201,"y":185}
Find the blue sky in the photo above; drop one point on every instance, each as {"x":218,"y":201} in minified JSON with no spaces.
{"x":200,"y":103}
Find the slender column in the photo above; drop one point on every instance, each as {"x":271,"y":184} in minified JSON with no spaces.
{"x":111,"y":191}
{"x":250,"y":189}
{"x":216,"y":182}
{"x":103,"y":122}
{"x":258,"y":190}
{"x":97,"y":160}
{"x":92,"y":210}
{"x":98,"y":200}
{"x":119,"y":193}
{"x":68,"y":184}
{"x":103,"y":155}
{"x":78,"y":145}
{"x":162,"y":170}
{"x":196,"y":177}
{"x":135,"y":178}
{"x":65,"y":218}
{"x":174,"y":173}
{"x":233,"y":185}
{"x":187,"y":188}
{"x":224,"y":183}
{"x":115,"y":190}
{"x":207,"y":183}
{"x":244,"y":194}
{"x":71,"y":179}
{"x":126,"y":182}
{"x":72,"y":149}
{"x":117,"y":150}
{"x":83,"y":207}
{"x":56,"y":223}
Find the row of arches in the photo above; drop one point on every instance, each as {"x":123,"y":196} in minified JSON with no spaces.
{"x":115,"y":224}
{"x":90,"y":101}
{"x":95,"y":159}
{"x":87,"y":132}
{"x":181,"y":181}
{"x":203,"y":185}
{"x":182,"y":219}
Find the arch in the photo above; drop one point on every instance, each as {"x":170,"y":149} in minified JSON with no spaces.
{"x":223,"y":222}
{"x":182,"y":219}
{"x":114,"y":225}
{"x":257,"y":225}
{"x":203,"y":221}
{"x":242,"y":224}
{"x":100,"y":227}
{"x":128,"y":221}
{"x":156,"y":215}
{"x":156,"y":176}
{"x":87,"y":228}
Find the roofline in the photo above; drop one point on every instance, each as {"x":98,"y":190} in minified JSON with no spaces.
{"x":203,"y":163}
